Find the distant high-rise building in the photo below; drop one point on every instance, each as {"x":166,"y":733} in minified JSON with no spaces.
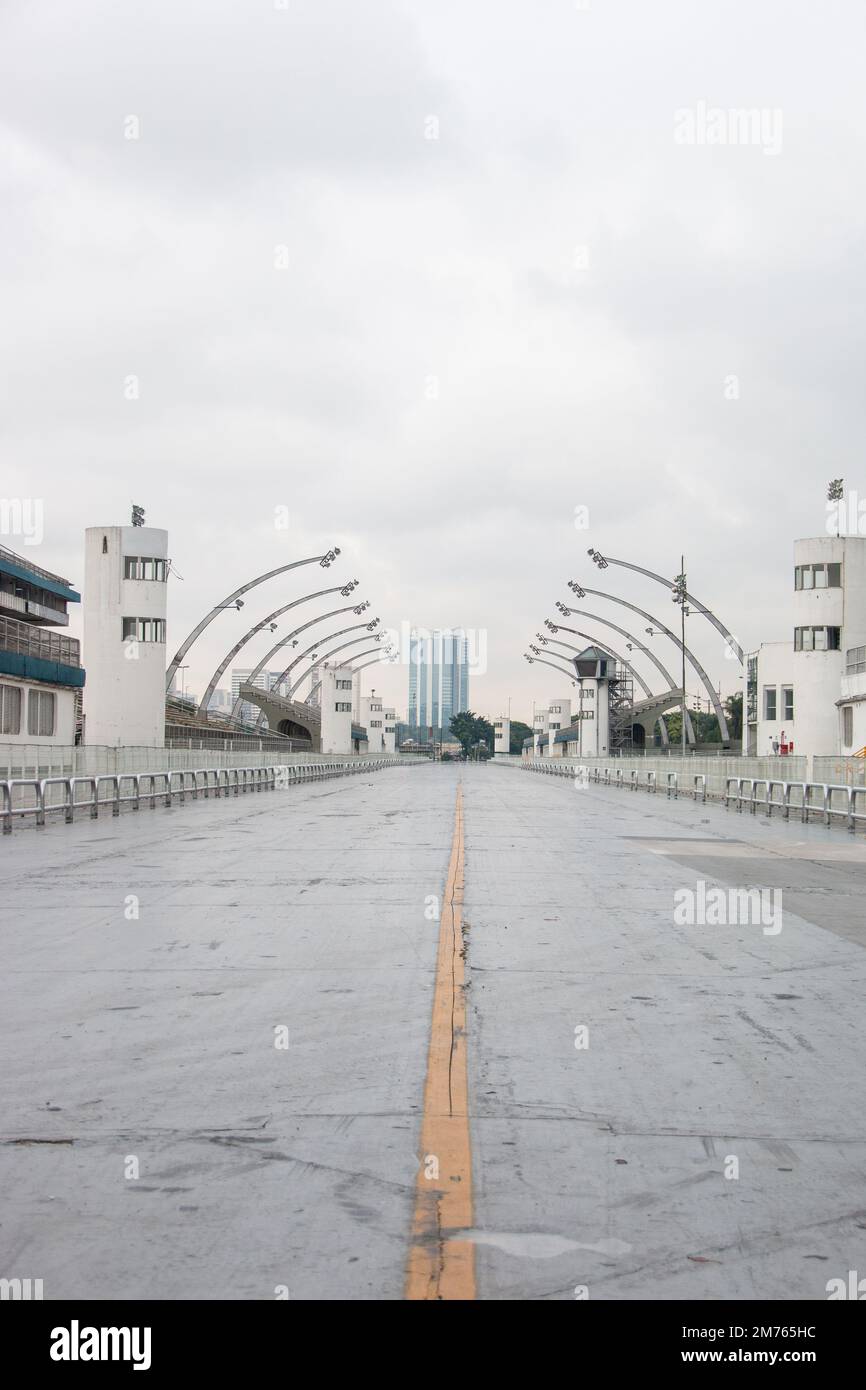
{"x":438,"y":677}
{"x":265,"y":680}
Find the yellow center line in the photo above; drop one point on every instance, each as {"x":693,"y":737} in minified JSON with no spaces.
{"x":440,"y":1266}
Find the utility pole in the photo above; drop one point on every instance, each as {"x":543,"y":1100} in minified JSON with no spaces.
{"x":679,"y":596}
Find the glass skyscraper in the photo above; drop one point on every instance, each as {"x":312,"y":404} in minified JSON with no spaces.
{"x":438,"y":677}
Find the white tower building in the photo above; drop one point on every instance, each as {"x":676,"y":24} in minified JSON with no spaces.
{"x":335,"y":703}
{"x":390,"y":730}
{"x":502,"y":734}
{"x":594,"y":669}
{"x":125,"y":595}
{"x":829,"y":621}
{"x":372,"y":718}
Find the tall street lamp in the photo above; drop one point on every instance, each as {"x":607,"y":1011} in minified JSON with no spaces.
{"x":231,"y":601}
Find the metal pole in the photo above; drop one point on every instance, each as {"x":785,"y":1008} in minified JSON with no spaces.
{"x":683,"y":643}
{"x":690,"y":656}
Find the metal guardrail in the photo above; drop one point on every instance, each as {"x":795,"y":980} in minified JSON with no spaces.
{"x":829,"y":800}
{"x":152,"y":787}
{"x":813,"y":799}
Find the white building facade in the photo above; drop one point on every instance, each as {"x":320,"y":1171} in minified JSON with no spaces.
{"x":502,"y":734}
{"x":125,"y":588}
{"x":818,"y":677}
{"x":373,"y":720}
{"x":41,"y":676}
{"x":390,"y":730}
{"x":768,"y":705}
{"x":335,"y":704}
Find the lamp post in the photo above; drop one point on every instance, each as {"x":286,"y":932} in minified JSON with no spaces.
{"x":284,"y":675}
{"x":707,"y":683}
{"x":321,"y":660}
{"x":291,"y":640}
{"x":371,"y":651}
{"x":631,"y":641}
{"x":679,"y":596}
{"x":231,"y":601}
{"x":602,"y":562}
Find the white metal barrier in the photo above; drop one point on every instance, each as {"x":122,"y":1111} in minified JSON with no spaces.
{"x":827,"y":800}
{"x":168,"y":786}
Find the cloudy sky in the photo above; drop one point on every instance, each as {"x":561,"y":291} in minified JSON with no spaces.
{"x":431,"y":276}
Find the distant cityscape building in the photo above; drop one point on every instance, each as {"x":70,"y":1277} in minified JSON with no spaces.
{"x":265,"y":680}
{"x":438,"y":677}
{"x":41,"y":675}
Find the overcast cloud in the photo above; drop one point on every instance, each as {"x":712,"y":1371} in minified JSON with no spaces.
{"x":465,"y":337}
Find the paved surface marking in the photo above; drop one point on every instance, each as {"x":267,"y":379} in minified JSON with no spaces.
{"x":154,"y":1037}
{"x":604,"y":1169}
{"x":440,"y":1266}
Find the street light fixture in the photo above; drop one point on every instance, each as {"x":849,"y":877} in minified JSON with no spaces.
{"x":660,"y":629}
{"x":698,"y":607}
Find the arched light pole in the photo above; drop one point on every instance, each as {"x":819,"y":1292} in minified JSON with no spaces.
{"x":354,"y":669}
{"x":324,"y":658}
{"x":284,"y":675}
{"x":569,"y":646}
{"x":324,"y":560}
{"x":606,"y":622}
{"x":544,"y":662}
{"x":711,"y":691}
{"x":609,"y":651}
{"x":602,"y":561}
{"x":269,"y":621}
{"x":284,"y":641}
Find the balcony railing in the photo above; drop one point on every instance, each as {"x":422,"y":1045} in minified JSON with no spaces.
{"x":34,"y":610}
{"x":27,"y":640}
{"x":26,"y":563}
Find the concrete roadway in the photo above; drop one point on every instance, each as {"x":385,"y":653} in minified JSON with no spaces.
{"x":148,"y":1044}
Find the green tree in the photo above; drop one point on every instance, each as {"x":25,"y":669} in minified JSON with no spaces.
{"x":734,"y":714}
{"x":519,"y":732}
{"x":469,"y":729}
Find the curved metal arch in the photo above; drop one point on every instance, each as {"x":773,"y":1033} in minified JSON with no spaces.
{"x":252,"y":584}
{"x":277,"y":613}
{"x":629,"y":636}
{"x":326,"y":657}
{"x":610,"y":652}
{"x":330,"y":637}
{"x":663,"y":728}
{"x":320,"y":618}
{"x":716,"y":702}
{"x":662,"y":670}
{"x":353,"y":669}
{"x":284,"y":674}
{"x":696,"y":604}
{"x":563,"y":672}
